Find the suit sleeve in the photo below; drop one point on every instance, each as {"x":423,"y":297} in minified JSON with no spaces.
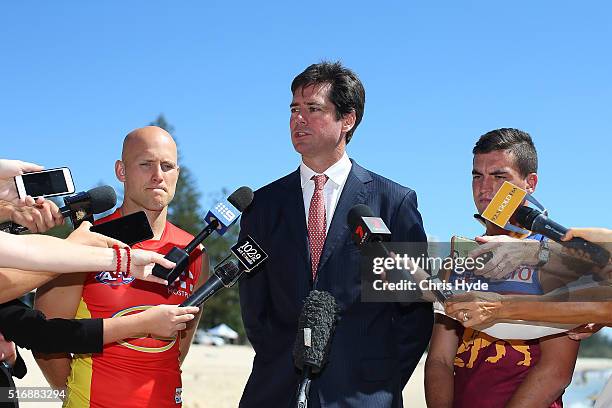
{"x":415,"y":320}
{"x":254,"y":289}
{"x":31,"y":329}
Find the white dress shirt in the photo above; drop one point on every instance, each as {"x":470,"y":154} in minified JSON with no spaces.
{"x":337,"y":175}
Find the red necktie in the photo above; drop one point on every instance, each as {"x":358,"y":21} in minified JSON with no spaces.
{"x":317,"y":222}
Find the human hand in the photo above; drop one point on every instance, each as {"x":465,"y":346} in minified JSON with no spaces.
{"x":166,"y":320}
{"x":39,"y":216}
{"x":584,"y":331}
{"x":8,"y":351}
{"x":8,"y":170}
{"x":474,"y":308}
{"x":507,"y":255}
{"x":84,"y":236}
{"x":143,"y":262}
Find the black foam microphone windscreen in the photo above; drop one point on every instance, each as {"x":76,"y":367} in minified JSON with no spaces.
{"x":315,"y":331}
{"x":103,"y":198}
{"x":241,"y":198}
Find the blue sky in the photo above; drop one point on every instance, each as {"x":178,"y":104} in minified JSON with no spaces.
{"x":76,"y":77}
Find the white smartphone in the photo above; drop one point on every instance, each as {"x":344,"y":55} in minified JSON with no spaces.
{"x":46,"y":183}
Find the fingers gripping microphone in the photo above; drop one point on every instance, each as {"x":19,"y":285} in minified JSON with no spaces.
{"x":79,"y":207}
{"x":368,"y":229}
{"x":509,"y":202}
{"x":316,"y":327}
{"x":245,"y":253}
{"x":222,"y":216}
{"x":538,"y":222}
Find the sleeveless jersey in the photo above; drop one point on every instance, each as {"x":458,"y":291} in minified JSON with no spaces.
{"x":488,"y":370}
{"x":135,"y":372}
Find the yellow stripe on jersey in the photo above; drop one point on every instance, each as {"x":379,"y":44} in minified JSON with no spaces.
{"x":144,"y":349}
{"x":81,"y":370}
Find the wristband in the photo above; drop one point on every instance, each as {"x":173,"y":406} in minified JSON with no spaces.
{"x":129,"y":259}
{"x":118,"y":254}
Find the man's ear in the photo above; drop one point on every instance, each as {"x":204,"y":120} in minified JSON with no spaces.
{"x":532,"y":182}
{"x":348,"y":121}
{"x":120,"y":171}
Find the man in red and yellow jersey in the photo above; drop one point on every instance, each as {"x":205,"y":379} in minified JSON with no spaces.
{"x":135,"y":372}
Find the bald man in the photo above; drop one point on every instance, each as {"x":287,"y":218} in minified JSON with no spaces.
{"x":139,"y":372}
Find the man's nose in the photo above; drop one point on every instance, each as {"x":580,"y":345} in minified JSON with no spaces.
{"x":488,"y":185}
{"x":157,"y":173}
{"x":299,"y":118}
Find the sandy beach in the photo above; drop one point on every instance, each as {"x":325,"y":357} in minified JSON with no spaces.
{"x":215,"y":377}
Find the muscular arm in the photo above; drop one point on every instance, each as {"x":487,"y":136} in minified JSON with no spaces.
{"x":59,"y":298}
{"x":187,"y":334}
{"x":551,"y":375}
{"x":439,"y":367}
{"x":15,"y":282}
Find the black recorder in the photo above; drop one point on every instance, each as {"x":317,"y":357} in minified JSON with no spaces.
{"x":130,"y":229}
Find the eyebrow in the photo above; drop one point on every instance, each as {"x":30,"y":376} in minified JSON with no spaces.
{"x":161,"y":161}
{"x":307,"y":104}
{"x":494,"y":173}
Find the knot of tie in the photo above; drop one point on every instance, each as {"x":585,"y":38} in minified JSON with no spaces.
{"x":319,"y":181}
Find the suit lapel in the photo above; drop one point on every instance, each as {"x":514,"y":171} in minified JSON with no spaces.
{"x":354,"y":192}
{"x":293,"y":213}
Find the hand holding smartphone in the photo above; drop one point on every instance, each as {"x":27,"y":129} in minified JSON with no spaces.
{"x":45,"y":183}
{"x":130,"y":229}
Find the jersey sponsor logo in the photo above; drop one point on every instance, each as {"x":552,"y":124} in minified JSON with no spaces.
{"x":473,"y":343}
{"x":523,"y":274}
{"x":114,"y":278}
{"x":183,"y":286}
{"x":147,"y":344}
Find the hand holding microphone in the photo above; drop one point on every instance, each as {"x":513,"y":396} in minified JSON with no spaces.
{"x":599,"y":235}
{"x":79,"y":207}
{"x":369,"y":230}
{"x":40,"y":216}
{"x":223,"y":215}
{"x":165,"y":321}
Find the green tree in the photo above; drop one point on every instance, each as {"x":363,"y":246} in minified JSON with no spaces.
{"x":185,"y":212}
{"x":598,"y":345}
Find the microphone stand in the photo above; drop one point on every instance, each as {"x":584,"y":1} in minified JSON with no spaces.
{"x":304,"y":388}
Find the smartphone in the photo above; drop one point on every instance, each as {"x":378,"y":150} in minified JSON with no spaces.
{"x":461,"y":247}
{"x":130,"y":229}
{"x":45,"y":183}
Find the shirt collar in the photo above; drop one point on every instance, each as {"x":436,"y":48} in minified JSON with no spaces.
{"x":337,"y":172}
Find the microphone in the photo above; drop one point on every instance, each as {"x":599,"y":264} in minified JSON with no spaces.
{"x":509,"y":201}
{"x":368,"y":229}
{"x":538,"y":222}
{"x":225,"y":275}
{"x":316,"y":327}
{"x":79,"y":207}
{"x":222,"y":216}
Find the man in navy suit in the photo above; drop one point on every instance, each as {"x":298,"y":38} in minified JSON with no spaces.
{"x":300,"y":220}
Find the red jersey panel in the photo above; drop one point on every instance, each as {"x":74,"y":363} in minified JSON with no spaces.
{"x":136,"y":372}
